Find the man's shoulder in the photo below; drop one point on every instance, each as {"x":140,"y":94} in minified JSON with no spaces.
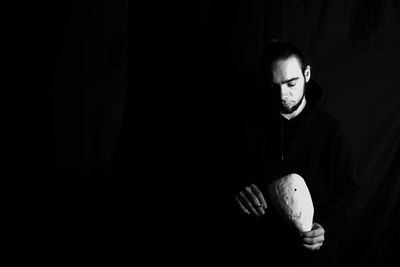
{"x":325,"y":115}
{"x":326,"y":120}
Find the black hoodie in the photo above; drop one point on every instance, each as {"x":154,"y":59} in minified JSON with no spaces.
{"x":313,"y":145}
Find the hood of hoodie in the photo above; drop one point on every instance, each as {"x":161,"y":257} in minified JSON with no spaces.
{"x":314,"y":94}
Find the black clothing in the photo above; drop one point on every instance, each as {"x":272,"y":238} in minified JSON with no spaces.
{"x":312,"y":145}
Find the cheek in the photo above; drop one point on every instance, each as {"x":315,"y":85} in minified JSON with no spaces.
{"x":299,"y":92}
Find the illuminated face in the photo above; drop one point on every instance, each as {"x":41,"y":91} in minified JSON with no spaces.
{"x":288,"y":82}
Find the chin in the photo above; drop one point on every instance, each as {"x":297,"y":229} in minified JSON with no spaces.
{"x":286,"y":110}
{"x":291,"y":109}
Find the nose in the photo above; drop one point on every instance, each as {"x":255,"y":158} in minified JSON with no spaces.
{"x":285,"y":92}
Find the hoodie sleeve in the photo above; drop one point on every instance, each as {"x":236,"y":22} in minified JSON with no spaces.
{"x":345,"y":187}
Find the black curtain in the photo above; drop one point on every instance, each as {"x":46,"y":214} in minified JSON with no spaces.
{"x":117,"y":137}
{"x":196,"y":71}
{"x":63,"y":96}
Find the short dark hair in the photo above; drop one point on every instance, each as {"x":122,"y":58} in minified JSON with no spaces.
{"x":276,"y":50}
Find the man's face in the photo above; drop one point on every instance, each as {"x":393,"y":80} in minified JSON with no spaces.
{"x":288,"y":83}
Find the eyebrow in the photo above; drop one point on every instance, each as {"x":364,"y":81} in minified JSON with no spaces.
{"x":290,"y":80}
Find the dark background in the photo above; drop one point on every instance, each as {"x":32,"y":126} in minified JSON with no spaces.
{"x":118,"y":118}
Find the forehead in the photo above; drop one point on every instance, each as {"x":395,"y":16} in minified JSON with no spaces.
{"x":287,"y":68}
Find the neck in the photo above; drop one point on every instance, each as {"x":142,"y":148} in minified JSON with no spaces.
{"x":296,"y":112}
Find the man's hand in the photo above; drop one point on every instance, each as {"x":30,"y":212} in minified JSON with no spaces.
{"x":313,"y":240}
{"x":251,"y":201}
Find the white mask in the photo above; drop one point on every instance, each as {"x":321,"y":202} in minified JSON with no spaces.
{"x":292,"y":200}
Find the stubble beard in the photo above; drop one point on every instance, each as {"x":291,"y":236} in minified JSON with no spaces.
{"x":289,"y":110}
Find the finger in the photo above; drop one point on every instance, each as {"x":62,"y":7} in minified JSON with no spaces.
{"x":316,"y":226}
{"x":316,"y":246}
{"x":318,"y":230}
{"x":252,"y":196}
{"x":241,"y":206}
{"x":259,"y":195}
{"x":314,"y":240}
{"x":254,"y":200}
{"x":248,"y":204}
{"x":312,"y":248}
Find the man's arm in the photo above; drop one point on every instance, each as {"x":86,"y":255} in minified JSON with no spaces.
{"x":335,"y":214}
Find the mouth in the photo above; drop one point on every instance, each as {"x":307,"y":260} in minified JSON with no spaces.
{"x":286,"y":102}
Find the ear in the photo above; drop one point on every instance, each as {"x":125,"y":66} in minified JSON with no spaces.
{"x":307,"y":73}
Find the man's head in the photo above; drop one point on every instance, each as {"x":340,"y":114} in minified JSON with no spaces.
{"x":286,"y":74}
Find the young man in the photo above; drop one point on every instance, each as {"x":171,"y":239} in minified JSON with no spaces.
{"x":298,"y":137}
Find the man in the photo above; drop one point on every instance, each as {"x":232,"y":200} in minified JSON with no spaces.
{"x":296,"y":137}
